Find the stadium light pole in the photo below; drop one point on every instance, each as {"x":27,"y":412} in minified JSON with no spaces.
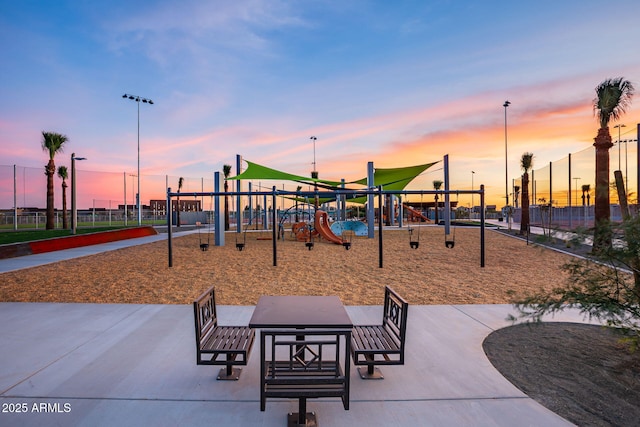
{"x":146,"y":101}
{"x":74,"y":208}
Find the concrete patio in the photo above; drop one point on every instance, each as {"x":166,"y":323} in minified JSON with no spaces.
{"x":133,"y":365}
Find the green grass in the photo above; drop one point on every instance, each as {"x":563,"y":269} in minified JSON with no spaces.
{"x":19,"y":236}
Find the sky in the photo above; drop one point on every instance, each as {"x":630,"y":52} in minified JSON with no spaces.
{"x":396,"y":83}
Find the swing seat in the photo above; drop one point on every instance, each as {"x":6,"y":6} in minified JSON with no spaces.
{"x":240,"y":246}
{"x":449,"y":244}
{"x":346,"y":245}
{"x":414,"y":245}
{"x":309,"y":245}
{"x":204,"y":246}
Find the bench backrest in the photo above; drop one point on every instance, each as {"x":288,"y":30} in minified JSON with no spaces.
{"x":394,"y":317}
{"x":206,"y":316}
{"x":308,"y":359}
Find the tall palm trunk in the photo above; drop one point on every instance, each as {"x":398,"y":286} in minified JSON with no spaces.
{"x":50,"y":171}
{"x":602,"y":213}
{"x":524,"y":204}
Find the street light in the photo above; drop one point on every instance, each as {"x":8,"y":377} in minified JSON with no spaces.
{"x":618,"y":127}
{"x":74,"y":208}
{"x":146,"y":101}
{"x":506,"y":164}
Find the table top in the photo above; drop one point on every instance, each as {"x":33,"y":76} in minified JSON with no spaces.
{"x":300,"y":312}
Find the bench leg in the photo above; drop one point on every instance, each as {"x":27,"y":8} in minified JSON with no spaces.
{"x":302,"y":418}
{"x":229,"y":373}
{"x":371,"y":372}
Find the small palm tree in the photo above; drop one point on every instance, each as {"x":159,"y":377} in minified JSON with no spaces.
{"x":180,"y":183}
{"x":63,"y":175}
{"x":226,"y":171}
{"x":526,"y":162}
{"x":613,"y":97}
{"x":436,"y":186}
{"x":52,"y":143}
{"x":586,"y":188}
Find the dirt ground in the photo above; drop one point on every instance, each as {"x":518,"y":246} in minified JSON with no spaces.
{"x":592,"y":381}
{"x":581,"y":372}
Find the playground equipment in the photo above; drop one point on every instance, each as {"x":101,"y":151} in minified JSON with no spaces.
{"x":324,"y":230}
{"x":203,"y":245}
{"x":357,"y":228}
{"x":335,"y":191}
{"x":415,"y":213}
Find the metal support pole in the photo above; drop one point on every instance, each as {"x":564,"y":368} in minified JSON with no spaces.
{"x":370,"y":201}
{"x":447,"y":200}
{"x":15,"y":198}
{"x":218,"y":216}
{"x":238,"y":199}
{"x":169,"y":227}
{"x":482,"y":219}
{"x":380,"y":227}
{"x":274,"y":236}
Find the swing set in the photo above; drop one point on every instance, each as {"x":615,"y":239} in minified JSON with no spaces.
{"x":414,"y":240}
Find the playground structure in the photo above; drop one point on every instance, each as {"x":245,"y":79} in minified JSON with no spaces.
{"x":331,"y":191}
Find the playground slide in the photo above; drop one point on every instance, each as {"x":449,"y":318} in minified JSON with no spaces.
{"x":415,"y":212}
{"x":323,"y":228}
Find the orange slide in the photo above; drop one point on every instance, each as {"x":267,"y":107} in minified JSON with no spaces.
{"x":416,"y":213}
{"x":322,"y":227}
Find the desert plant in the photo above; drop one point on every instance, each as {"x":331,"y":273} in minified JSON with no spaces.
{"x":605,"y":287}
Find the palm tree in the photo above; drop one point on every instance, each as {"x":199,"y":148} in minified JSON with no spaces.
{"x":613,"y":96}
{"x":526,"y":162}
{"x":586,"y":188}
{"x":51,"y":143}
{"x":180,"y":182}
{"x":63,"y":174}
{"x":436,"y":185}
{"x":226,"y":171}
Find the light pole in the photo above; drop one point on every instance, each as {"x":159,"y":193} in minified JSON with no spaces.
{"x":506,"y":164}
{"x":619,"y":156}
{"x":314,"y":172}
{"x":74,"y":208}
{"x":146,"y":101}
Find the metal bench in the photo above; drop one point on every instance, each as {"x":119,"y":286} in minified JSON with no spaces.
{"x":315,"y":365}
{"x":381,"y":344}
{"x":220,"y":345}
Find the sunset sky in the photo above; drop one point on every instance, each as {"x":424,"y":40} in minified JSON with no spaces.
{"x":397,"y":83}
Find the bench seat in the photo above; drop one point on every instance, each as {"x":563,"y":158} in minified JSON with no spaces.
{"x":381,"y":344}
{"x":220,"y":345}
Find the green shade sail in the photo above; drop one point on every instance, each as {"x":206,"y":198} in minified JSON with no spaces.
{"x":389,"y":179}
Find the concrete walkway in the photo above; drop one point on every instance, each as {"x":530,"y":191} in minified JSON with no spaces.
{"x":134,"y":365}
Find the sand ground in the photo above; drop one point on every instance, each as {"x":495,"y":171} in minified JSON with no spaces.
{"x":431,"y":274}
